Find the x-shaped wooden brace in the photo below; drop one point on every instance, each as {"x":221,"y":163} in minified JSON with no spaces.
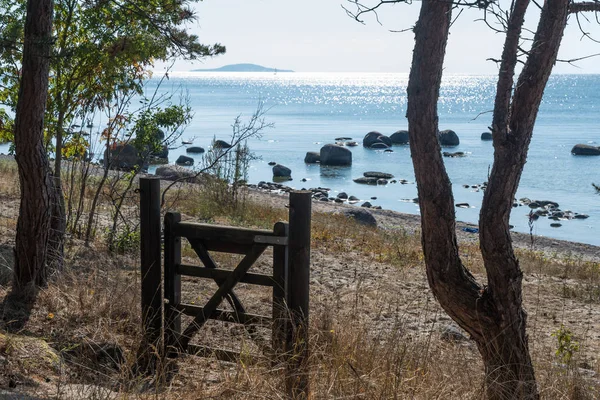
{"x":208,"y":262}
{"x":225,"y":289}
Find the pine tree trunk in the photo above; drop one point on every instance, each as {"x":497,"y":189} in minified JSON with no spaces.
{"x":493,"y":315}
{"x":34,"y":172}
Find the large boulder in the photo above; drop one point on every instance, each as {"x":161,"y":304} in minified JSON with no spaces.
{"x":312,"y":157}
{"x":123,"y":157}
{"x":332,"y":154}
{"x":194,"y":150}
{"x":400,"y":137}
{"x":280,"y":171}
{"x":585,"y":150}
{"x":373,"y":138}
{"x":448,"y":138}
{"x":184,"y":160}
{"x":486,"y":136}
{"x":361,"y":216}
{"x":176,"y":173}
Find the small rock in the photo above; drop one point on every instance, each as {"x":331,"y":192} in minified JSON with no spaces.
{"x":375,"y":174}
{"x":366,"y":204}
{"x":272,"y":163}
{"x":556,"y":225}
{"x":452,"y":333}
{"x":221,"y":144}
{"x":361,"y":216}
{"x":194,"y":150}
{"x":486,"y":136}
{"x":342,"y":195}
{"x":462,"y":205}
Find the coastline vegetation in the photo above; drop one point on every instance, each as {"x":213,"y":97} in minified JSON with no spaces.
{"x":376,"y":331}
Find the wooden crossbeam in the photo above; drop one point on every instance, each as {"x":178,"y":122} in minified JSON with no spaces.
{"x":222,"y":238}
{"x":219,"y":275}
{"x":224,"y":315}
{"x":221,"y":293}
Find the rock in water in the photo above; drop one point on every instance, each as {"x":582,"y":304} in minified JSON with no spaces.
{"x":379,"y":175}
{"x":122,"y":156}
{"x":454,"y":155}
{"x":184,"y":160}
{"x":585,"y":150}
{"x":194,"y":150}
{"x":361,"y":216}
{"x":448,"y":138}
{"x":366,"y":180}
{"x":335,"y":155}
{"x":312,"y":157}
{"x":376,"y":139}
{"x":486,"y":136}
{"x":379,"y":145}
{"x":221,"y":144}
{"x":400,"y":137}
{"x":281,"y":171}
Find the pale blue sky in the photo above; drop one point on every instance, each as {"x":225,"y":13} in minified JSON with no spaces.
{"x":318,"y":36}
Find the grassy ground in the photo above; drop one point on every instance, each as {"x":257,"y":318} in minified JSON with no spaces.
{"x":375,"y":330}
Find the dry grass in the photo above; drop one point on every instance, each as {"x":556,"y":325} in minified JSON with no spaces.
{"x":374,"y":328}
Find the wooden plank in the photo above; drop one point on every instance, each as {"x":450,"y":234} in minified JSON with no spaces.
{"x":202,"y":252}
{"x":150,"y":257}
{"x":224,"y":315}
{"x":280,"y":271}
{"x":297,"y":380}
{"x":172,"y":283}
{"x":221,"y":354}
{"x":225,"y":288}
{"x":215,"y":233}
{"x":222,"y":274}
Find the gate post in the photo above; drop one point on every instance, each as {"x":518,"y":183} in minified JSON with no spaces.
{"x":297,"y":377}
{"x":172,"y":285}
{"x":280,"y":278}
{"x":151,"y":271}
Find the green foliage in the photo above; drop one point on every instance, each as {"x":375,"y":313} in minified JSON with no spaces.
{"x":155,"y":127}
{"x":567,"y":346}
{"x":103,"y":51}
{"x":127,"y":240}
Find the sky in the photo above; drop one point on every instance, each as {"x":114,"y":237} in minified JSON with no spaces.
{"x":318,"y":36}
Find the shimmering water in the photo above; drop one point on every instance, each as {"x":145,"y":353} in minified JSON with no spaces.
{"x":311,"y":109}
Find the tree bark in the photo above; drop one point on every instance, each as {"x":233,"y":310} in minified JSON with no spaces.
{"x":493,"y":315}
{"x":509,"y":371}
{"x":33,"y":224}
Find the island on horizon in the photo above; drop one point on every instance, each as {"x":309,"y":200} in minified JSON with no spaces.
{"x":243,"y":68}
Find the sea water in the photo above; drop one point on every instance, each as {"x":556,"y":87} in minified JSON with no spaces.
{"x":309,"y":110}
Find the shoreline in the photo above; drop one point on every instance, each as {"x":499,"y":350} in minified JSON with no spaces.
{"x":410,"y":223}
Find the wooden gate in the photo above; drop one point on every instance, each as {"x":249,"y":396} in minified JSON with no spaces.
{"x":207,"y":238}
{"x":289,"y":282}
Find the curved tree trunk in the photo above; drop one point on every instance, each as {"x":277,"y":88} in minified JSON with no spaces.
{"x":493,"y":315}
{"x":505,"y":353}
{"x":34,"y":172}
